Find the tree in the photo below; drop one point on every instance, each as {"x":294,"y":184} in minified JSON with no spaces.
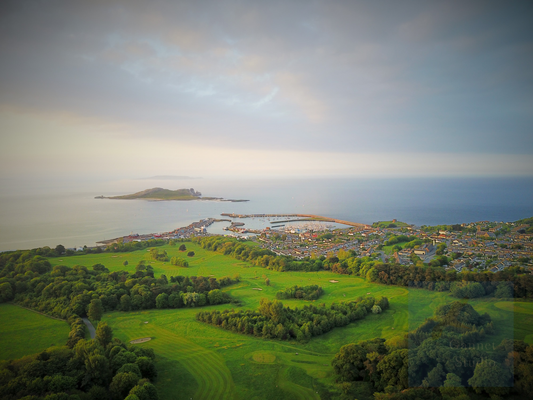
{"x":130,"y":367}
{"x":97,"y":367}
{"x":147,"y":391}
{"x":376,"y":309}
{"x":6,"y":292}
{"x":349,"y":363}
{"x":61,"y":383}
{"x":215,"y":296}
{"x":435,"y":377}
{"x":104,"y":334}
{"x":182,"y":248}
{"x":125,"y":263}
{"x":96,"y":310}
{"x":394,"y":368}
{"x":190,"y":254}
{"x":161,"y":301}
{"x":147,"y":367}
{"x":122,"y":383}
{"x":267,"y":282}
{"x":491,"y":377}
{"x":453,"y":388}
{"x":504,"y":290}
{"x":125,"y":303}
{"x":383,"y":303}
{"x":60,"y":249}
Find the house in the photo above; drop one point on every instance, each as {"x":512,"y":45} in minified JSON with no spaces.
{"x":424,"y":250}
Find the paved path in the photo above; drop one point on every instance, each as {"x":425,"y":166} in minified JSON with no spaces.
{"x":90,"y":326}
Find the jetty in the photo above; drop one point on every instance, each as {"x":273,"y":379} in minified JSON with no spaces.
{"x":309,"y":217}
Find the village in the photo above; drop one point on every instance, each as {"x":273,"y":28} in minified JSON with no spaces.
{"x":478,"y":246}
{"x":481,"y":246}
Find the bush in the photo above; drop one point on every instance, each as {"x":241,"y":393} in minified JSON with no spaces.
{"x":179,"y":262}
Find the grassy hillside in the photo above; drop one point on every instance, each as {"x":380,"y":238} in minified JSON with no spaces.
{"x":204,"y":362}
{"x":389,"y":224}
{"x":24,"y":332}
{"x":160,"y":194}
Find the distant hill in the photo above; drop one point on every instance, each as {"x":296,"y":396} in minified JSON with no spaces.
{"x":167,"y":177}
{"x":162,"y":194}
{"x":165,"y":194}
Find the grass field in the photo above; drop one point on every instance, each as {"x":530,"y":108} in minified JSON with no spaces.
{"x":24,"y":332}
{"x":200,"y":361}
{"x":388,"y":249}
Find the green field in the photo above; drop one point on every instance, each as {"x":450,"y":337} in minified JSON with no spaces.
{"x":388,"y":249}
{"x":203,"y":263}
{"x":385,"y":224}
{"x":24,"y":332}
{"x":200,"y":361}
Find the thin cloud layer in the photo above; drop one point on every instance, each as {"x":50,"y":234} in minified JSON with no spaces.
{"x":316,"y":77}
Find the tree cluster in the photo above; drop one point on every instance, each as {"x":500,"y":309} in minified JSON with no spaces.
{"x":179,"y":262}
{"x":311,"y":292}
{"x":446,"y":358}
{"x":64,"y":292}
{"x":158,"y":255}
{"x":273,"y":320}
{"x":98,"y":369}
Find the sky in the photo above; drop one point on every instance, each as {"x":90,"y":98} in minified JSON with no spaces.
{"x":265,"y":88}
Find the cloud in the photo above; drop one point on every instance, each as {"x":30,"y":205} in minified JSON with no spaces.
{"x":317,"y":77}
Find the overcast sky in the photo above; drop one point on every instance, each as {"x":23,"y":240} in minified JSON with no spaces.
{"x":140,"y":88}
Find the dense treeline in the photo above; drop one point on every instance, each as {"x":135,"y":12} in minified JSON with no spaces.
{"x":432,"y":277}
{"x":311,"y":292}
{"x":119,"y":247}
{"x":273,"y":320}
{"x":98,"y":369}
{"x":64,"y":292}
{"x":444,"y":358}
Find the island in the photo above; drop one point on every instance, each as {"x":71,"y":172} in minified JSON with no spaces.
{"x":167,"y":194}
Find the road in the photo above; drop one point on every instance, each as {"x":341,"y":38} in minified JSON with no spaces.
{"x":90,"y":326}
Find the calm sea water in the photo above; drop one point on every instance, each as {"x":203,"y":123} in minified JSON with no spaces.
{"x":38,"y":213}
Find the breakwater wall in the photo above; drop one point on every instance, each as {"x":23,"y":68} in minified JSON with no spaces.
{"x":310,"y":216}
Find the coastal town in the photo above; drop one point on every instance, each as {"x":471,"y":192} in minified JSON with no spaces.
{"x":477,"y":246}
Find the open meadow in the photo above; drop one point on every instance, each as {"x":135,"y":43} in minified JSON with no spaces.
{"x":201,"y":361}
{"x":24,"y":332}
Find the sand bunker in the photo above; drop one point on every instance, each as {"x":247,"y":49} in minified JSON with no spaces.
{"x":142,"y":340}
{"x":334,"y":281}
{"x":256,"y":288}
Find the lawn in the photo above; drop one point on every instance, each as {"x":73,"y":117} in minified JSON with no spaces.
{"x":388,"y":249}
{"x":204,"y":362}
{"x":24,"y":332}
{"x":204,"y":262}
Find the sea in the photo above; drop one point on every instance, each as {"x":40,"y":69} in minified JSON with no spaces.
{"x":36,"y":213}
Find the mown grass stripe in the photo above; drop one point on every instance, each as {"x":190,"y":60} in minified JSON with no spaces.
{"x":208,"y":368}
